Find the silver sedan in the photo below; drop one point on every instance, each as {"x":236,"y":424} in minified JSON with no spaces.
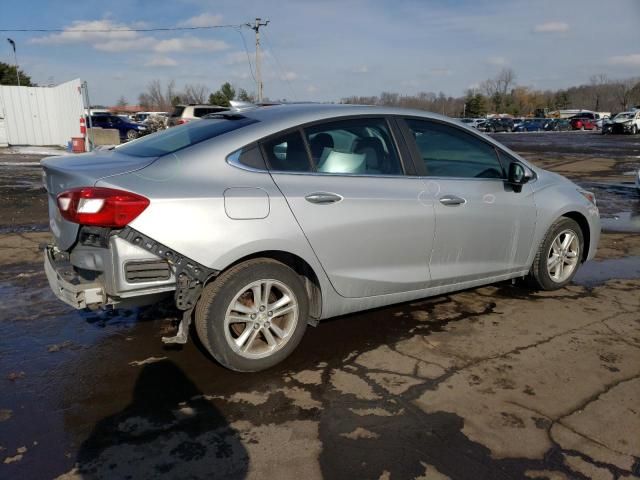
{"x":263,"y":220}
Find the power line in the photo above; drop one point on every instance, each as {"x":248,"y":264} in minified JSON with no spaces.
{"x":256,"y":28}
{"x":244,"y":43}
{"x":282,"y":70}
{"x":115,"y":30}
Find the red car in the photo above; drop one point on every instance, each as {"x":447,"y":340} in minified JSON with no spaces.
{"x":582,"y":123}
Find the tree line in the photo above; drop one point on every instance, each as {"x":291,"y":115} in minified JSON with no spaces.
{"x":163,"y":98}
{"x":501,"y":94}
{"x":498,"y":94}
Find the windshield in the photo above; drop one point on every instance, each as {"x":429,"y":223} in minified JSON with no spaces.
{"x":176,"y":138}
{"x":625,"y":116}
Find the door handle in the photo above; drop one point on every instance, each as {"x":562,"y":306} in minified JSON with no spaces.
{"x":452,"y":200}
{"x":323,"y":198}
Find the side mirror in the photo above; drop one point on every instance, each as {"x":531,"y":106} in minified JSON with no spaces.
{"x":518,"y":175}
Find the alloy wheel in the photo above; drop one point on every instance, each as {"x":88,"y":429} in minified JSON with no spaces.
{"x":261,"y":318}
{"x":563,"y":256}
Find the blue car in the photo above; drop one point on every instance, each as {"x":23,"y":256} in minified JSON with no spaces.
{"x":128,"y":129}
{"x":531,"y":125}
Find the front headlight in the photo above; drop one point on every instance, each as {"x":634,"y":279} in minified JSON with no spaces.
{"x":588,"y":195}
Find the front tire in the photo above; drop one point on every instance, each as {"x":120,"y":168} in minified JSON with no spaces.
{"x":253,"y":315}
{"x":634,"y":130}
{"x":558,"y":256}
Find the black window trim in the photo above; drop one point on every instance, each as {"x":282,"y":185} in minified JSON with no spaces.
{"x":417,"y":158}
{"x":403,"y":159}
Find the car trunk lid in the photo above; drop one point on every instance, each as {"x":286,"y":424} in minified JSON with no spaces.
{"x":63,"y":173}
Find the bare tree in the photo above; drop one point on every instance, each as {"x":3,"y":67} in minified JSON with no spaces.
{"x":122,"y":102}
{"x":157,"y":98}
{"x":195,"y":93}
{"x":501,"y":84}
{"x":625,"y":91}
{"x":599,"y":84}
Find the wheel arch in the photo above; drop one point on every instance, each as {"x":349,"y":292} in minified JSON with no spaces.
{"x":583,"y":223}
{"x":302,"y":268}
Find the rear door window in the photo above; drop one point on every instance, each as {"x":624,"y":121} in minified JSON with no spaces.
{"x":450,"y":152}
{"x":357,"y":147}
{"x":287,"y":153}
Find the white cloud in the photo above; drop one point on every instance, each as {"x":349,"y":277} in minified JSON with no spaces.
{"x":551,"y":27}
{"x":497,"y":60}
{"x":311,"y":88}
{"x":181,"y":44}
{"x":125,"y":41}
{"x":72,"y":34}
{"x":360,"y":69}
{"x":203,"y":20}
{"x":289,"y":76}
{"x":631,"y":60}
{"x":126,"y":45}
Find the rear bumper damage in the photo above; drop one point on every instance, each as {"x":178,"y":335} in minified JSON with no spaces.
{"x":69,"y":286}
{"x":123,"y":269}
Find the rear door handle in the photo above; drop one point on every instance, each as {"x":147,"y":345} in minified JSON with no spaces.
{"x":452,"y":200}
{"x":323,"y":198}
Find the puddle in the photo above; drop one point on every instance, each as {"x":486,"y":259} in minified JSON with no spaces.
{"x":626,"y":222}
{"x":597,"y":272}
{"x":614,"y":198}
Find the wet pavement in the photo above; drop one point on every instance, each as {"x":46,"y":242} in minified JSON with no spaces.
{"x":496,"y":382}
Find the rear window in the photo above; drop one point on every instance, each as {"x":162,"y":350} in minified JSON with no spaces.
{"x":177,"y":111}
{"x":202,"y":111}
{"x":176,"y":138}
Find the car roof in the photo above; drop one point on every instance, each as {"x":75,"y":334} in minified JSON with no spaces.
{"x":295,"y":114}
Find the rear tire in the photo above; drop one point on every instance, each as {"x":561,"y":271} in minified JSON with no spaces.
{"x":132,"y":134}
{"x":244,"y":332}
{"x":558,"y":256}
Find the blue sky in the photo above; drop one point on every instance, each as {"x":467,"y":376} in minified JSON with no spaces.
{"x":326,"y":50}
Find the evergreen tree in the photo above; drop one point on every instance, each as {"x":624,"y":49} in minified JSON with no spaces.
{"x":223,"y":96}
{"x":8,"y":76}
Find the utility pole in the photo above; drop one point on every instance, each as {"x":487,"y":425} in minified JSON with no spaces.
{"x":15,"y":57}
{"x":256,"y":28}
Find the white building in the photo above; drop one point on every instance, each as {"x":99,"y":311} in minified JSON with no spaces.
{"x":40,"y":115}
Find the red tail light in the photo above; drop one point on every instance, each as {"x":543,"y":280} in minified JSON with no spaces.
{"x":182,"y":121}
{"x":103,"y":207}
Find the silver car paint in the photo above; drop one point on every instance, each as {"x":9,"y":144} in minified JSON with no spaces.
{"x":188,"y":213}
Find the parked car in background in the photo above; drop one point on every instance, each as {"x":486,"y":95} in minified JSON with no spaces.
{"x":128,"y":129}
{"x":601,"y":117}
{"x":142,"y":117}
{"x":582,"y":123}
{"x":517,"y":122}
{"x":531,"y":125}
{"x":494,"y":125}
{"x":472,"y":122}
{"x":557,"y":125}
{"x":626,"y":122}
{"x":279,"y":217}
{"x":607,"y":124}
{"x":187,"y":113}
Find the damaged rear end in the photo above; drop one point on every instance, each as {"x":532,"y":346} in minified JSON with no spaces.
{"x":91,"y":264}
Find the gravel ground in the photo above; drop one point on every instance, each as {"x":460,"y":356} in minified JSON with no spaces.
{"x":495,"y":382}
